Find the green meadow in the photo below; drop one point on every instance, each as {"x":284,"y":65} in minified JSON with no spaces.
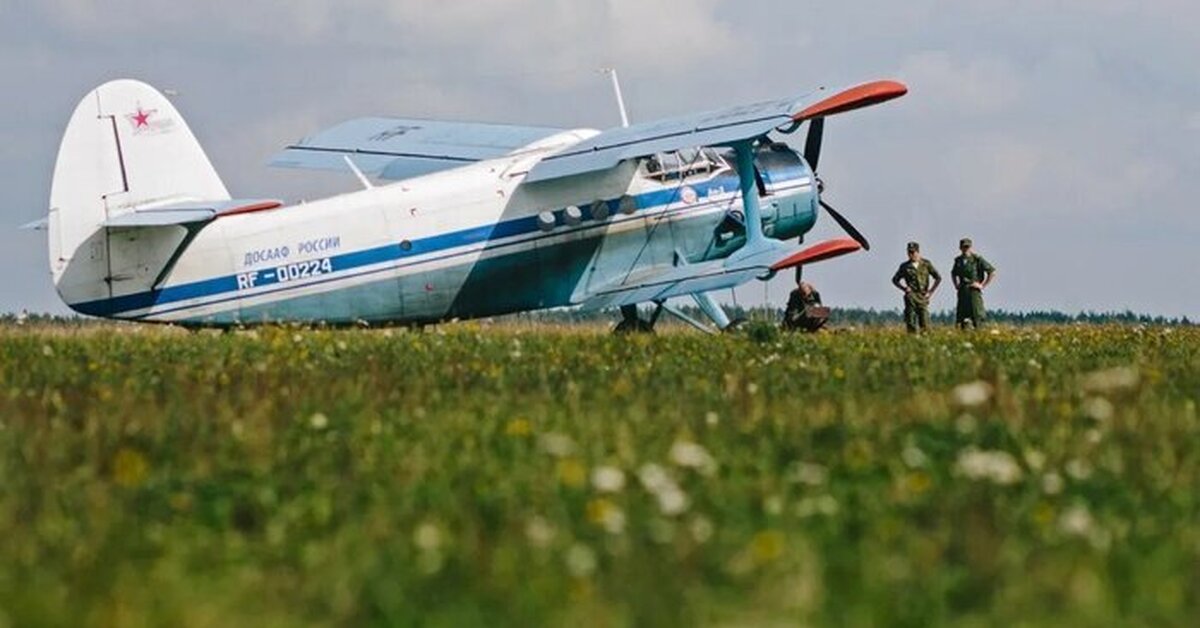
{"x":476,"y":475}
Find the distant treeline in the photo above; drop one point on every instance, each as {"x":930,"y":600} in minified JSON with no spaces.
{"x":862,"y":317}
{"x":858,"y":317}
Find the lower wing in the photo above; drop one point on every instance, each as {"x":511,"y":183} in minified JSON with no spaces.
{"x":662,"y":283}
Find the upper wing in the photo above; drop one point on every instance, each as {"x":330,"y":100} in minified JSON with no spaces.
{"x":715,"y":128}
{"x":662,"y":283}
{"x":399,"y":148}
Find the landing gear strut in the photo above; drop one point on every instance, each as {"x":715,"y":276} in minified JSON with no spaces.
{"x":632,"y":323}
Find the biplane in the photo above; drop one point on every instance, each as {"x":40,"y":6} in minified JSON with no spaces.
{"x":454,"y":220}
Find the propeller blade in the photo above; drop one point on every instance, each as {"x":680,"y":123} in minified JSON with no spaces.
{"x":846,"y":226}
{"x":812,"y":146}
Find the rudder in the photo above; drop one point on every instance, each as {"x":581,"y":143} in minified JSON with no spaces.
{"x":125,"y":148}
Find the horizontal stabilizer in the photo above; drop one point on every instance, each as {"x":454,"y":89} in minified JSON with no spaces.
{"x":400,"y":148}
{"x":715,"y":128}
{"x":190,"y":212}
{"x":41,"y":224}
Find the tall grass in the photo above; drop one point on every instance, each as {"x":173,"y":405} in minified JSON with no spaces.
{"x":500,"y":476}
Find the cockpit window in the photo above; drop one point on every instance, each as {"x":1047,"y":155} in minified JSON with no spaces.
{"x":680,"y":164}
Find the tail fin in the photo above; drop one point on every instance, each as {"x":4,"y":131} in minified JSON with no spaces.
{"x":125,"y":148}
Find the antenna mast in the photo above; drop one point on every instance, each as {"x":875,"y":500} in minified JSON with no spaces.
{"x":616,"y":85}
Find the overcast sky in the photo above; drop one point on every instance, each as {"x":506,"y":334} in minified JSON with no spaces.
{"x":1063,"y":135}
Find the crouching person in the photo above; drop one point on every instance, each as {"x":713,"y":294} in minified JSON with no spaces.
{"x":804,"y":310}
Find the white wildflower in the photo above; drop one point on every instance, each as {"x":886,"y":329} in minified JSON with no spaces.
{"x":809,"y":474}
{"x":712,"y":418}
{"x":654,"y":478}
{"x":614,"y":522}
{"x":1076,"y":521}
{"x":539,"y":532}
{"x":1035,"y":459}
{"x":973,"y":394}
{"x":557,"y":445}
{"x":608,"y":479}
{"x":824,"y":505}
{"x":427,"y":537}
{"x":692,"y":456}
{"x":672,"y":501}
{"x":1079,"y":469}
{"x":914,"y":457}
{"x":702,"y":529}
{"x":1112,"y":380}
{"x":1052,"y":483}
{"x":1098,"y":409}
{"x":318,"y":421}
{"x":998,"y":467}
{"x":581,"y":560}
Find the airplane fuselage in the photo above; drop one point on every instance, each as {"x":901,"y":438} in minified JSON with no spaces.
{"x":471,"y":242}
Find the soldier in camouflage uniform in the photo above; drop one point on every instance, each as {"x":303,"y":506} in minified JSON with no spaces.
{"x":971,"y":275}
{"x":912,"y":278}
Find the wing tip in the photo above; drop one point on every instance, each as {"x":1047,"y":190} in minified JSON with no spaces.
{"x":865,"y":95}
{"x":818,"y":252}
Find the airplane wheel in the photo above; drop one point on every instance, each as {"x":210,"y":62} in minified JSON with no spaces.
{"x":734,"y":326}
{"x":633,"y":326}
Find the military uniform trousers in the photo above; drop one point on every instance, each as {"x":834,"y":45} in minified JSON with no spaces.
{"x":916,"y":312}
{"x":970,"y":311}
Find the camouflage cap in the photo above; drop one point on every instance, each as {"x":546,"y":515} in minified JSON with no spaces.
{"x":913,"y":246}
{"x":965,"y":242}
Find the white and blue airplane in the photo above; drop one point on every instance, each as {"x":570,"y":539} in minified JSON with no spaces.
{"x":475,"y":220}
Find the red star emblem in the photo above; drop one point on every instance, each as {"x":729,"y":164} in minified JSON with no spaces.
{"x":141,"y":119}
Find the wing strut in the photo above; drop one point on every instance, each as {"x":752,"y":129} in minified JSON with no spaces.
{"x":744,"y":151}
{"x":712,"y":309}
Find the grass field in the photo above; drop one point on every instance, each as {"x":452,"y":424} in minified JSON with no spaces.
{"x":500,"y":476}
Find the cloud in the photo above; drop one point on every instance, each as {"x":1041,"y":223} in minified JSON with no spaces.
{"x":995,"y":169}
{"x":963,"y":87}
